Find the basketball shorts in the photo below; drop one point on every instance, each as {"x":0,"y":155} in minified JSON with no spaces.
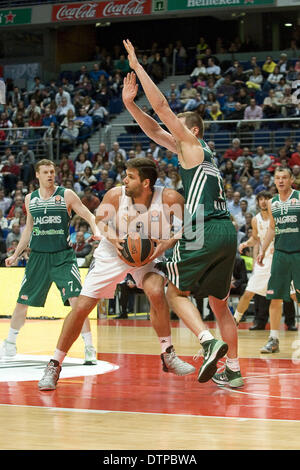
{"x":284,"y":271}
{"x":258,"y":281}
{"x":108,"y":270}
{"x":44,"y":268}
{"x":207,"y":270}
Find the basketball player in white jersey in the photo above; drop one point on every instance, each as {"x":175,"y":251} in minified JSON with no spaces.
{"x":109,"y":269}
{"x":258,"y":281}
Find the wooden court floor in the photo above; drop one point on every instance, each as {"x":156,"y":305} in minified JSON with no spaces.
{"x":127,"y":402}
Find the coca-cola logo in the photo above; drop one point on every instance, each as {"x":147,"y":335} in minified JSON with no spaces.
{"x":94,"y":10}
{"x":83,"y":12}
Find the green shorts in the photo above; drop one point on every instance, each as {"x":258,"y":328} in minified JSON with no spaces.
{"x":207,"y":270}
{"x":44,"y":268}
{"x":285,"y":269}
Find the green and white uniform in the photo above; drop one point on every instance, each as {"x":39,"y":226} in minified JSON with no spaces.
{"x":51,"y":257}
{"x":286,"y":259}
{"x":203,"y":259}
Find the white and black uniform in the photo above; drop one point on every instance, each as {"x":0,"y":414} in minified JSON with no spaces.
{"x":108,"y":268}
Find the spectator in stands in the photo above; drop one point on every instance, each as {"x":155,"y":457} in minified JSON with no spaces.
{"x":90,"y":200}
{"x":256,"y":79}
{"x":170,"y":157}
{"x":239,"y":78}
{"x":32,"y":108}
{"x":163,"y":179}
{"x":5,"y":202}
{"x":20,"y":189}
{"x":214,"y":115}
{"x":26,"y":161}
{"x":241,"y":184}
{"x":228,"y":172}
{"x":253,"y":112}
{"x":175,"y":103}
{"x":156,"y":151}
{"x":69,"y":136}
{"x":212,"y":68}
{"x":266,"y":183}
{"x":235,"y":151}
{"x":81,"y":247}
{"x":61,"y":93}
{"x":187,"y":93}
{"x":139,"y":152}
{"x":173,"y":89}
{"x":63,"y":110}
{"x":11,"y":173}
{"x":84,"y":123}
{"x":273,"y":79}
{"x":102,"y":151}
{"x":122,"y":65}
{"x":87,"y":179}
{"x":14,"y":235}
{"x":199,"y":69}
{"x":287,"y":103}
{"x":246,"y":156}
{"x":99,"y":115}
{"x":234,"y":205}
{"x":283,"y":63}
{"x":193,"y":103}
{"x":48,"y":117}
{"x":18,"y":202}
{"x":261,"y":160}
{"x":250,"y":198}
{"x":81,"y":164}
{"x":226,"y":88}
{"x":268,"y":66}
{"x":114,"y":151}
{"x":270,"y":105}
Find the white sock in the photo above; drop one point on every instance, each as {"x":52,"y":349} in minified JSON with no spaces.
{"x":59,"y":356}
{"x":233,"y":364}
{"x":238,"y":316}
{"x":274,"y":334}
{"x":87,"y":338}
{"x":12,"y":335}
{"x":205,"y":336}
{"x":165,"y":342}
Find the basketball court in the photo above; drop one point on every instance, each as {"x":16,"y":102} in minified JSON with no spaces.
{"x":127,"y":402}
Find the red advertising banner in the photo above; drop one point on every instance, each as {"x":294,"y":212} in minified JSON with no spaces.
{"x":94,"y":10}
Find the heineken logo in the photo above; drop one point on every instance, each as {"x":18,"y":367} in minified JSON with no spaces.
{"x":187,"y":4}
{"x":14,"y":17}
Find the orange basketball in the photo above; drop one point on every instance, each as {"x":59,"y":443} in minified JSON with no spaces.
{"x":137,"y":250}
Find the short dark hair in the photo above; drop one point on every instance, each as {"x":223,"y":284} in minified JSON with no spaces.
{"x":265,"y":194}
{"x":193,"y":119}
{"x":283,"y":168}
{"x":146,"y":169}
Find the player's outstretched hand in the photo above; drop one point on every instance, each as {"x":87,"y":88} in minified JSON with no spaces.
{"x":133,"y":62}
{"x":130,"y":88}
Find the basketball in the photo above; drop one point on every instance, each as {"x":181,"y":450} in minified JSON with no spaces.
{"x":137,"y":250}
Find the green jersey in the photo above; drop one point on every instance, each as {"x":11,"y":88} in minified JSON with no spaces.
{"x":287,"y":222}
{"x":51,"y":221}
{"x":203,"y":188}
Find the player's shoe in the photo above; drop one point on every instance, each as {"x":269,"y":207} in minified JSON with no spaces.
{"x":51,"y":376}
{"x":90,"y":356}
{"x":214,"y":349}
{"x":8,"y":350}
{"x":272,"y":346}
{"x":226,"y":376}
{"x":172,"y":363}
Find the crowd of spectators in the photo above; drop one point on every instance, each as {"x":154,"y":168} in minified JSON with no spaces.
{"x":76,"y":108}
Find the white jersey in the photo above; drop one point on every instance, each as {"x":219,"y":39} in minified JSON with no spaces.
{"x":109,"y":269}
{"x":258,"y":282}
{"x":154,"y":222}
{"x":262,"y":228}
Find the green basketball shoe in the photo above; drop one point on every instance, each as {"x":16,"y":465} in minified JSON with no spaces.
{"x":214,"y":349}
{"x":228,"y":377}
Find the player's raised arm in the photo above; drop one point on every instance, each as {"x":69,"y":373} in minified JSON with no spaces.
{"x":74,"y":202}
{"x":146,"y":122}
{"x":186,"y":142}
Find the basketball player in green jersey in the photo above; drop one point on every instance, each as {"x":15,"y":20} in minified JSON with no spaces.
{"x":205,"y":270}
{"x":284,"y":212}
{"x":51,"y":258}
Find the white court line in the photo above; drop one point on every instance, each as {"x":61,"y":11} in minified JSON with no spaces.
{"x":143,"y":413}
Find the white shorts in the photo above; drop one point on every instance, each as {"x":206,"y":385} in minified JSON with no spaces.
{"x":108,"y":270}
{"x":258,"y":282}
